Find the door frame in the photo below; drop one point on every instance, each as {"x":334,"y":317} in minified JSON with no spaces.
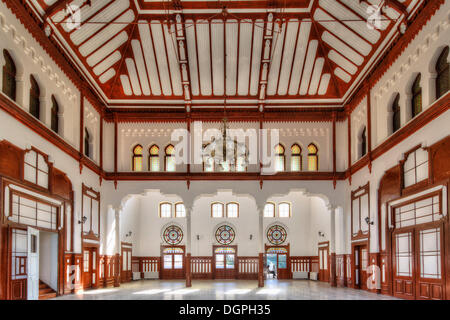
{"x":320,"y":247}
{"x":236,"y":267}
{"x":90,"y":246}
{"x":172,"y":274}
{"x":355,"y":245}
{"x":126,"y":276}
{"x":288,"y":272}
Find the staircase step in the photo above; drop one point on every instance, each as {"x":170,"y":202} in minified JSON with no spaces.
{"x":45,"y":290}
{"x":47,"y":296}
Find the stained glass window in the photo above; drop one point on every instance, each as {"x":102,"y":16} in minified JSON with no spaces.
{"x":137,"y":158}
{"x":396,"y":114}
{"x":279,"y":158}
{"x":173,"y":235}
{"x":153,"y":159}
{"x":225,"y":235}
{"x":276,"y":235}
{"x":34,"y":98}
{"x":313,"y":158}
{"x":296,"y":158}
{"x":170,"y":158}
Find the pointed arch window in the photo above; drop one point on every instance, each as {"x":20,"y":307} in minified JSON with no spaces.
{"x":54,"y":115}
{"x":35,"y":94}
{"x":9,"y":76}
{"x":313,"y":157}
{"x":153,"y":158}
{"x":87,"y":139}
{"x":279,"y":158}
{"x":416,"y":103}
{"x":137,"y":158}
{"x":296,"y":158}
{"x":363,"y":142}
{"x":170,"y":165}
{"x":443,"y":74}
{"x":396,"y":114}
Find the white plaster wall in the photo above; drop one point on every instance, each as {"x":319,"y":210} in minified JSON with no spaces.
{"x":341,"y":146}
{"x":92,"y":123}
{"x":48,"y":259}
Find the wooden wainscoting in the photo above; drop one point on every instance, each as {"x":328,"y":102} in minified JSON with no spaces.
{"x":248,"y":268}
{"x":201,"y":267}
{"x":340,"y":270}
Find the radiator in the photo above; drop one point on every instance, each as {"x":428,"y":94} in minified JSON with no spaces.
{"x":313,"y":276}
{"x":151,"y":275}
{"x":300,"y":275}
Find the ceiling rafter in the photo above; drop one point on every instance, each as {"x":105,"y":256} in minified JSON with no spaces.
{"x":54,"y":8}
{"x":400,"y":7}
{"x":183,"y":58}
{"x":266,"y":54}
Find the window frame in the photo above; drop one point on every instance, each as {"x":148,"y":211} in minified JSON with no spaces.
{"x":54,"y":115}
{"x":9,"y":76}
{"x":136,"y":156}
{"x":160,"y":209}
{"x":237,"y":213}
{"x":175,"y":211}
{"x":395,"y":109}
{"x":289,"y":206}
{"x":168,"y":156}
{"x":441,"y":72}
{"x":223,"y":210}
{"x":274,"y":209}
{"x":416,"y":91}
{"x":315,"y":155}
{"x":87,"y":144}
{"x":151,"y":157}
{"x":280,"y":155}
{"x":35,"y":95}
{"x":297,"y":156}
{"x":418,"y":184}
{"x":92,"y":195}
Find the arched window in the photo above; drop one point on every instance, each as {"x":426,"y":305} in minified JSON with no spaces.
{"x":170,"y":158}
{"x":35,"y":94}
{"x":54,"y":116}
{"x":232,"y":210}
{"x":443,"y":74}
{"x":165,"y":210}
{"x":180,"y":210}
{"x":313,"y":158}
{"x":284,"y":210}
{"x":137,"y":157}
{"x":396,"y":114}
{"x":269,"y":210}
{"x":217,"y":210}
{"x":279,"y":158}
{"x":363,"y":142}
{"x":153,"y":158}
{"x":416,"y":102}
{"x":87,"y":139}
{"x":296,"y":158}
{"x":9,"y":76}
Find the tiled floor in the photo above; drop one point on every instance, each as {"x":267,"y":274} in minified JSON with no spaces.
{"x":225,"y":290}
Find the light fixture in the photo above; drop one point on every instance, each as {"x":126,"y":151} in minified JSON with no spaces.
{"x":129,"y":234}
{"x":368,"y":221}
{"x":83,"y":220}
{"x":251,"y":237}
{"x":198,"y":237}
{"x":321,"y":234}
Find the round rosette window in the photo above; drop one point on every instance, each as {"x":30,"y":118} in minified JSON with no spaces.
{"x":225,"y":235}
{"x":173,"y":235}
{"x":276,"y":235}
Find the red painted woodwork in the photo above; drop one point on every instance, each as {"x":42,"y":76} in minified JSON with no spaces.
{"x":201,"y":267}
{"x":360,"y":262}
{"x":11,"y":159}
{"x":324,"y":261}
{"x":126,"y":271}
{"x":18,"y":289}
{"x":170,"y":272}
{"x":224,"y":273}
{"x":282,"y":273}
{"x":341,"y":264}
{"x":248,"y":268}
{"x":90,"y":266}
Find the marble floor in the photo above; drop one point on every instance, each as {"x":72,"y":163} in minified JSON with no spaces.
{"x":225,"y":290}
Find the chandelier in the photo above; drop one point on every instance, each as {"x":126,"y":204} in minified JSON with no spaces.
{"x":227,"y":153}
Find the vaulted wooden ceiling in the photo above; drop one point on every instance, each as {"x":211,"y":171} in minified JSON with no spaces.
{"x":178,"y":53}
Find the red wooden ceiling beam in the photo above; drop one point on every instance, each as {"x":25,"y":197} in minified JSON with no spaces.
{"x":54,"y":8}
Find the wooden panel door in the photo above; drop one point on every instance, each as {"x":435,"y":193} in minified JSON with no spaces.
{"x":403,"y":273}
{"x":224,"y":262}
{"x":126,"y":272}
{"x":33,"y":264}
{"x":361,"y":262}
{"x":172,"y":262}
{"x":324,"y":274}
{"x":90,"y":266}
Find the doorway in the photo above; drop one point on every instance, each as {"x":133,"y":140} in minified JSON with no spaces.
{"x":48,"y":265}
{"x":90,"y":267}
{"x":360,"y":262}
{"x":324,"y":249}
{"x":224,"y":262}
{"x":277,"y":262}
{"x":173,"y":262}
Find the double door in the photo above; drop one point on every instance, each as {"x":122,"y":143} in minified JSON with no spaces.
{"x":173,"y":262}
{"x":361,"y":263}
{"x":224,"y":262}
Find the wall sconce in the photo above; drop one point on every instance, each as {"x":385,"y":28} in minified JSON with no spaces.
{"x":198,"y":237}
{"x":368,"y":221}
{"x":321,"y":234}
{"x":251,"y":237}
{"x":129,"y":234}
{"x":83,"y":220}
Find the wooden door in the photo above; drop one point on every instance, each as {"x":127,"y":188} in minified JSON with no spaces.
{"x":33,"y":264}
{"x":324,"y":274}
{"x":172,"y":262}
{"x":283,"y":270}
{"x":90,"y":268}
{"x":403,"y":271}
{"x":224,"y":262}
{"x":126,"y":272}
{"x":361,"y":263}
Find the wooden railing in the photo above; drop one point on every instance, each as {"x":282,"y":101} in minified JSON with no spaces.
{"x":146,"y":264}
{"x":248,"y":267}
{"x":301,"y":264}
{"x":201,"y":267}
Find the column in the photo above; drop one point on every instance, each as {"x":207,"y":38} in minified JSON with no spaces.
{"x":20,"y":91}
{"x":261,"y":246}
{"x":188,"y":247}
{"x":332,"y":247}
{"x":340,"y":247}
{"x":117,"y":249}
{"x":431,"y":89}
